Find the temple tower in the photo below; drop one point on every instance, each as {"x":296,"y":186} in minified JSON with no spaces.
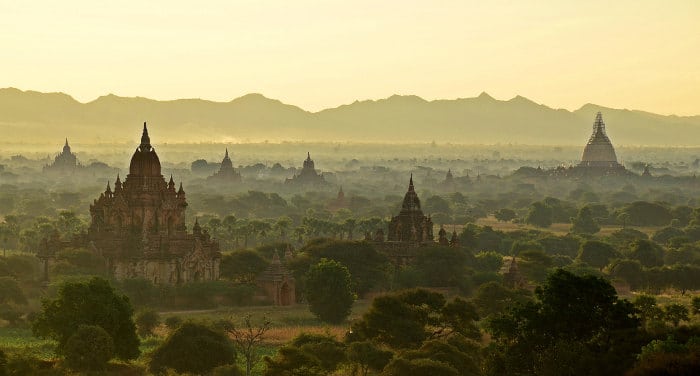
{"x":599,"y":151}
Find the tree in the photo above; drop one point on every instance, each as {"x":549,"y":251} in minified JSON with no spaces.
{"x":247,"y":338}
{"x":242,"y":266}
{"x":675,"y":313}
{"x":368,"y":268}
{"x":89,"y":349}
{"x":646,"y":252}
{"x":92,"y":302}
{"x":406,"y":319}
{"x":488,"y":261}
{"x":642,"y":213}
{"x":539,"y":215}
{"x":629,"y":271}
{"x":648,"y":310}
{"x":570,"y":310}
{"x":596,"y":253}
{"x":307,"y":354}
{"x":3,"y":364}
{"x":504,"y":215}
{"x":146,"y":321}
{"x":493,"y":298}
{"x":367,"y":356}
{"x":584,"y":223}
{"x":193,"y":348}
{"x":419,"y":367}
{"x":696,"y":305}
{"x":328,"y":290}
{"x":10,"y":292}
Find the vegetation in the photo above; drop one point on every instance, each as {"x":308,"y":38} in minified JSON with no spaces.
{"x":328,"y":290}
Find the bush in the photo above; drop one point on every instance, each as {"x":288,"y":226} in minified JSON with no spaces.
{"x":89,"y":349}
{"x":147,"y":320}
{"x":193,"y":348}
{"x":173,"y":322}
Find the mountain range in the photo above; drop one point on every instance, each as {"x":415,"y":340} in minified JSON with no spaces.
{"x":30,"y":116}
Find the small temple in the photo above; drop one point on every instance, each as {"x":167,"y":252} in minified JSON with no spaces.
{"x":226,"y":173}
{"x":277,"y":282}
{"x":65,"y":161}
{"x":139,"y":227}
{"x":411,"y":225}
{"x":339,"y":202}
{"x":308,"y":174}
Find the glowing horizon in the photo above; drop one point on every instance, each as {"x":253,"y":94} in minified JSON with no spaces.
{"x":639,"y":55}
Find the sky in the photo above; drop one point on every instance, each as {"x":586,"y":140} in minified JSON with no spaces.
{"x":317,"y":54}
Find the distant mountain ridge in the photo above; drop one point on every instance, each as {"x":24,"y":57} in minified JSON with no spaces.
{"x":46,"y":117}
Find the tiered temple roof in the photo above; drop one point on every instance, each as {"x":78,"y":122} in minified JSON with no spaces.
{"x":411,"y":225}
{"x":226,"y":172}
{"x":140,"y":226}
{"x":308,"y":174}
{"x":66,"y":161}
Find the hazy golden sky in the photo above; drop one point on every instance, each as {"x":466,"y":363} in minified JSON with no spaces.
{"x":316,"y":54}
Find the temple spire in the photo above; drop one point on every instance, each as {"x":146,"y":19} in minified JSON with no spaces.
{"x":226,"y":156}
{"x":308,"y":156}
{"x":410,"y":183}
{"x":145,"y":140}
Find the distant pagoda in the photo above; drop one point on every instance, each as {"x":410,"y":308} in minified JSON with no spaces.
{"x":599,"y":151}
{"x":411,"y":225}
{"x":226,"y":172}
{"x":308,"y":174}
{"x":64,"y":162}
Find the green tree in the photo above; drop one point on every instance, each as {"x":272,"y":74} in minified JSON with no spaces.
{"x":569,"y":310}
{"x":493,"y":298}
{"x":647,"y":309}
{"x":328,"y":290}
{"x":596,"y":253}
{"x":307,"y":354}
{"x":489,"y":261}
{"x":675,"y":313}
{"x":584,"y":223}
{"x":646,"y":252}
{"x":367,"y":356}
{"x":406,"y":319}
{"x":193,"y":348}
{"x":505,"y":215}
{"x":539,"y":215}
{"x":10,"y":292}
{"x":89,"y":349}
{"x":92,"y":302}
{"x":419,"y":367}
{"x":696,"y":305}
{"x":242,"y":266}
{"x":3,"y":363}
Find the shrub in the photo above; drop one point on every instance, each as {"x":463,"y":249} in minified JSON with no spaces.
{"x":193,"y":348}
{"x":89,"y":349}
{"x":147,"y":320}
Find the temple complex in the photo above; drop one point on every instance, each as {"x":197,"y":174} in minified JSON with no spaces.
{"x":599,"y":153}
{"x":411,"y":225}
{"x":226,"y":173}
{"x":139,"y":227}
{"x":308,"y":174}
{"x":64,"y":162}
